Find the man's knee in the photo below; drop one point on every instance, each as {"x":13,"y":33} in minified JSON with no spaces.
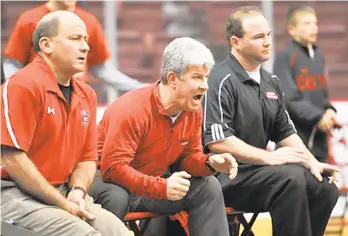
{"x":114,"y":198}
{"x":209,"y":188}
{"x":332,"y":193}
{"x":107,"y":223}
{"x":328,"y":192}
{"x":291,"y":176}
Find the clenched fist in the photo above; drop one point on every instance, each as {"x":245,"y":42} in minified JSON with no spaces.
{"x":178,"y":184}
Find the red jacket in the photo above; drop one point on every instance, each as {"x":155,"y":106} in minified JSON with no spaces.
{"x":36,"y":119}
{"x":138,"y":143}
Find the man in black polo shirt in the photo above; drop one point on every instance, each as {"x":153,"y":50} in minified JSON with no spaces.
{"x":244,"y":109}
{"x":300,"y":68}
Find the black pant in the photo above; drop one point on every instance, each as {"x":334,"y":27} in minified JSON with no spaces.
{"x":298,"y":203}
{"x":204,"y":203}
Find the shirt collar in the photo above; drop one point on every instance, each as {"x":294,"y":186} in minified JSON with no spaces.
{"x":240,"y":71}
{"x":155,"y":96}
{"x":302,"y":47}
{"x":50,"y":83}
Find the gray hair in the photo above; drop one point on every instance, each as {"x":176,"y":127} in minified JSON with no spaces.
{"x":184,"y":52}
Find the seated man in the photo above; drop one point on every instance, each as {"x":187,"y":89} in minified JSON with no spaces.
{"x":48,"y":138}
{"x":146,"y":131}
{"x":244,"y":109}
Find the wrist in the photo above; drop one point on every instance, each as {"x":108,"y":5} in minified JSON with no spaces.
{"x":164,"y":190}
{"x":267,"y":158}
{"x":209,"y":166}
{"x":65,"y":205}
{"x":77,"y":188}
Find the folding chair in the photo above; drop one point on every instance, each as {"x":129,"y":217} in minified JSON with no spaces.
{"x":132,"y":217}
{"x":235,"y":218}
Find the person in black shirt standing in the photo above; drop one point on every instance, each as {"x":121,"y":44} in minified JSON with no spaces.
{"x":300,"y":68}
{"x":243,"y":109}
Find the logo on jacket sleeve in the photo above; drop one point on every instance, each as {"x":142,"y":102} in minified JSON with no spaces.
{"x":271,"y":95}
{"x":85,"y":117}
{"x":183,"y":143}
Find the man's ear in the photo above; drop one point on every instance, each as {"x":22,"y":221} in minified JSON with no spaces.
{"x":171,"y":78}
{"x":45,"y":45}
{"x":235,"y":42}
{"x":291,"y":30}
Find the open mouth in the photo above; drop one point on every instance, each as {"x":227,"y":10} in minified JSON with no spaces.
{"x":198,"y":97}
{"x":81,"y":58}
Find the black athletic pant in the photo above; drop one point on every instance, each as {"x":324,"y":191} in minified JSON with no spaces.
{"x":298,"y":203}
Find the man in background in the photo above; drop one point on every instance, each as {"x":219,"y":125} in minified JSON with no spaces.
{"x":301,"y":70}
{"x":19,"y":49}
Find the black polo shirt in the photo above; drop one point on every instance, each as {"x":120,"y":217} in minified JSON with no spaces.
{"x":237,"y":105}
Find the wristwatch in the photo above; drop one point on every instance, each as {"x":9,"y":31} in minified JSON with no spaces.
{"x":209,"y":167}
{"x":75,"y":188}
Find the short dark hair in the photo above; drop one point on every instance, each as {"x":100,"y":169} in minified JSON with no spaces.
{"x":292,"y":12}
{"x":48,"y":28}
{"x":234,"y":21}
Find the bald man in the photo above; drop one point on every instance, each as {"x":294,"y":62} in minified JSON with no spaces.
{"x":48,"y":138}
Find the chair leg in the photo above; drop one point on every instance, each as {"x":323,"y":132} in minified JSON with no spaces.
{"x":135,"y":228}
{"x":143,"y":224}
{"x":233,"y":225}
{"x":140,"y":228}
{"x":247,"y":226}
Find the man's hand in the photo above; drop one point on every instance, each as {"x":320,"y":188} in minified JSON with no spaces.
{"x":224,"y":163}
{"x":78,"y":206}
{"x":77,"y":196}
{"x":336,"y":123}
{"x":286,"y":155}
{"x":317,"y":168}
{"x":76,"y":210}
{"x":178,"y":185}
{"x":329,"y":120}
